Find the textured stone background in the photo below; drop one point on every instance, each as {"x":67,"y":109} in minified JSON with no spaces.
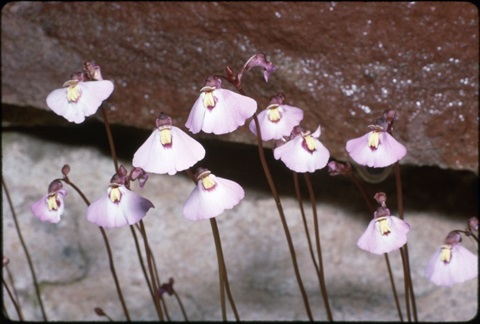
{"x":343,"y":63}
{"x":70,"y":257}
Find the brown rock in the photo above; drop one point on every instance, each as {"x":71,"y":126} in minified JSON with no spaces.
{"x":343,"y":63}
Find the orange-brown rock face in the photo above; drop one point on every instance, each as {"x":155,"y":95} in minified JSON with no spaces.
{"x":343,"y":63}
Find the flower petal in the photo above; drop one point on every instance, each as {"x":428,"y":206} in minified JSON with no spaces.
{"x":462,"y":266}
{"x":183,"y":153}
{"x":41,"y":211}
{"x":298,"y":159}
{"x":388,"y":151}
{"x":204,"y":204}
{"x":231,"y":111}
{"x":57,"y":101}
{"x":374,"y":242}
{"x":291,"y":117}
{"x":131,"y":208}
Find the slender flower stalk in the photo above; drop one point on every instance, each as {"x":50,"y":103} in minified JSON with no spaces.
{"x":144,"y":234}
{"x":25,"y":249}
{"x":235,"y":80}
{"x":323,"y":286}
{"x":222,"y":269}
{"x":404,"y":249}
{"x":336,"y":168}
{"x":276,"y":197}
{"x":107,"y":246}
{"x":13,"y":298}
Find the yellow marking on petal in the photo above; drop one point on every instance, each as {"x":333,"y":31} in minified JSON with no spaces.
{"x":165,"y":136}
{"x":115,"y":194}
{"x":73,"y":93}
{"x":209,"y":100}
{"x":310,"y":141}
{"x":52,"y":202}
{"x":208,"y":182}
{"x":374,"y":139}
{"x":383,"y":224}
{"x":274,"y":113}
{"x":446,"y":253}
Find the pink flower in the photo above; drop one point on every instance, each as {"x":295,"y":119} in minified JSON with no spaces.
{"x":50,"y":207}
{"x":277,"y":120}
{"x":79,"y":99}
{"x":168,"y":149}
{"x":384,"y":233}
{"x":211,"y":196}
{"x":119,"y":207}
{"x":218,"y":110}
{"x":304,"y":152}
{"x":452,"y":263}
{"x":377,"y":149}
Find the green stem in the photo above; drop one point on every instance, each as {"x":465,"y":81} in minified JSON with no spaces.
{"x":24,"y":246}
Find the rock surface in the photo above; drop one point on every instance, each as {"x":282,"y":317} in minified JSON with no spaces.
{"x":343,"y":63}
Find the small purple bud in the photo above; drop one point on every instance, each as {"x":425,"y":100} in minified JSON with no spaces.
{"x":200,"y":173}
{"x":381,"y":198}
{"x":277,"y":99}
{"x":260,"y":60}
{"x":381,"y":212}
{"x":66,"y":170}
{"x":453,"y":237}
{"x":339,"y":168}
{"x":389,"y":115}
{"x":163,"y":120}
{"x":122,"y":171}
{"x":77,"y":76}
{"x":213,"y":81}
{"x":54,"y":186}
{"x":473,"y":223}
{"x":99,"y":311}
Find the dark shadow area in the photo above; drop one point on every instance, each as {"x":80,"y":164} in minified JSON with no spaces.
{"x":424,"y":188}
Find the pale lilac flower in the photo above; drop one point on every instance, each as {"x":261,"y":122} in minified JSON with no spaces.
{"x":50,"y":207}
{"x":119,"y":207}
{"x":79,"y":99}
{"x":277,"y":120}
{"x":168,"y":149}
{"x":376,"y":149}
{"x":211,"y":196}
{"x":303,"y":152}
{"x":218,"y":110}
{"x":384,"y":234}
{"x":452,"y":263}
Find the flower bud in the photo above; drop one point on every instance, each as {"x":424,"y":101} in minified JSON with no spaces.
{"x":453,"y":237}
{"x":54,"y":186}
{"x":65,"y":169}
